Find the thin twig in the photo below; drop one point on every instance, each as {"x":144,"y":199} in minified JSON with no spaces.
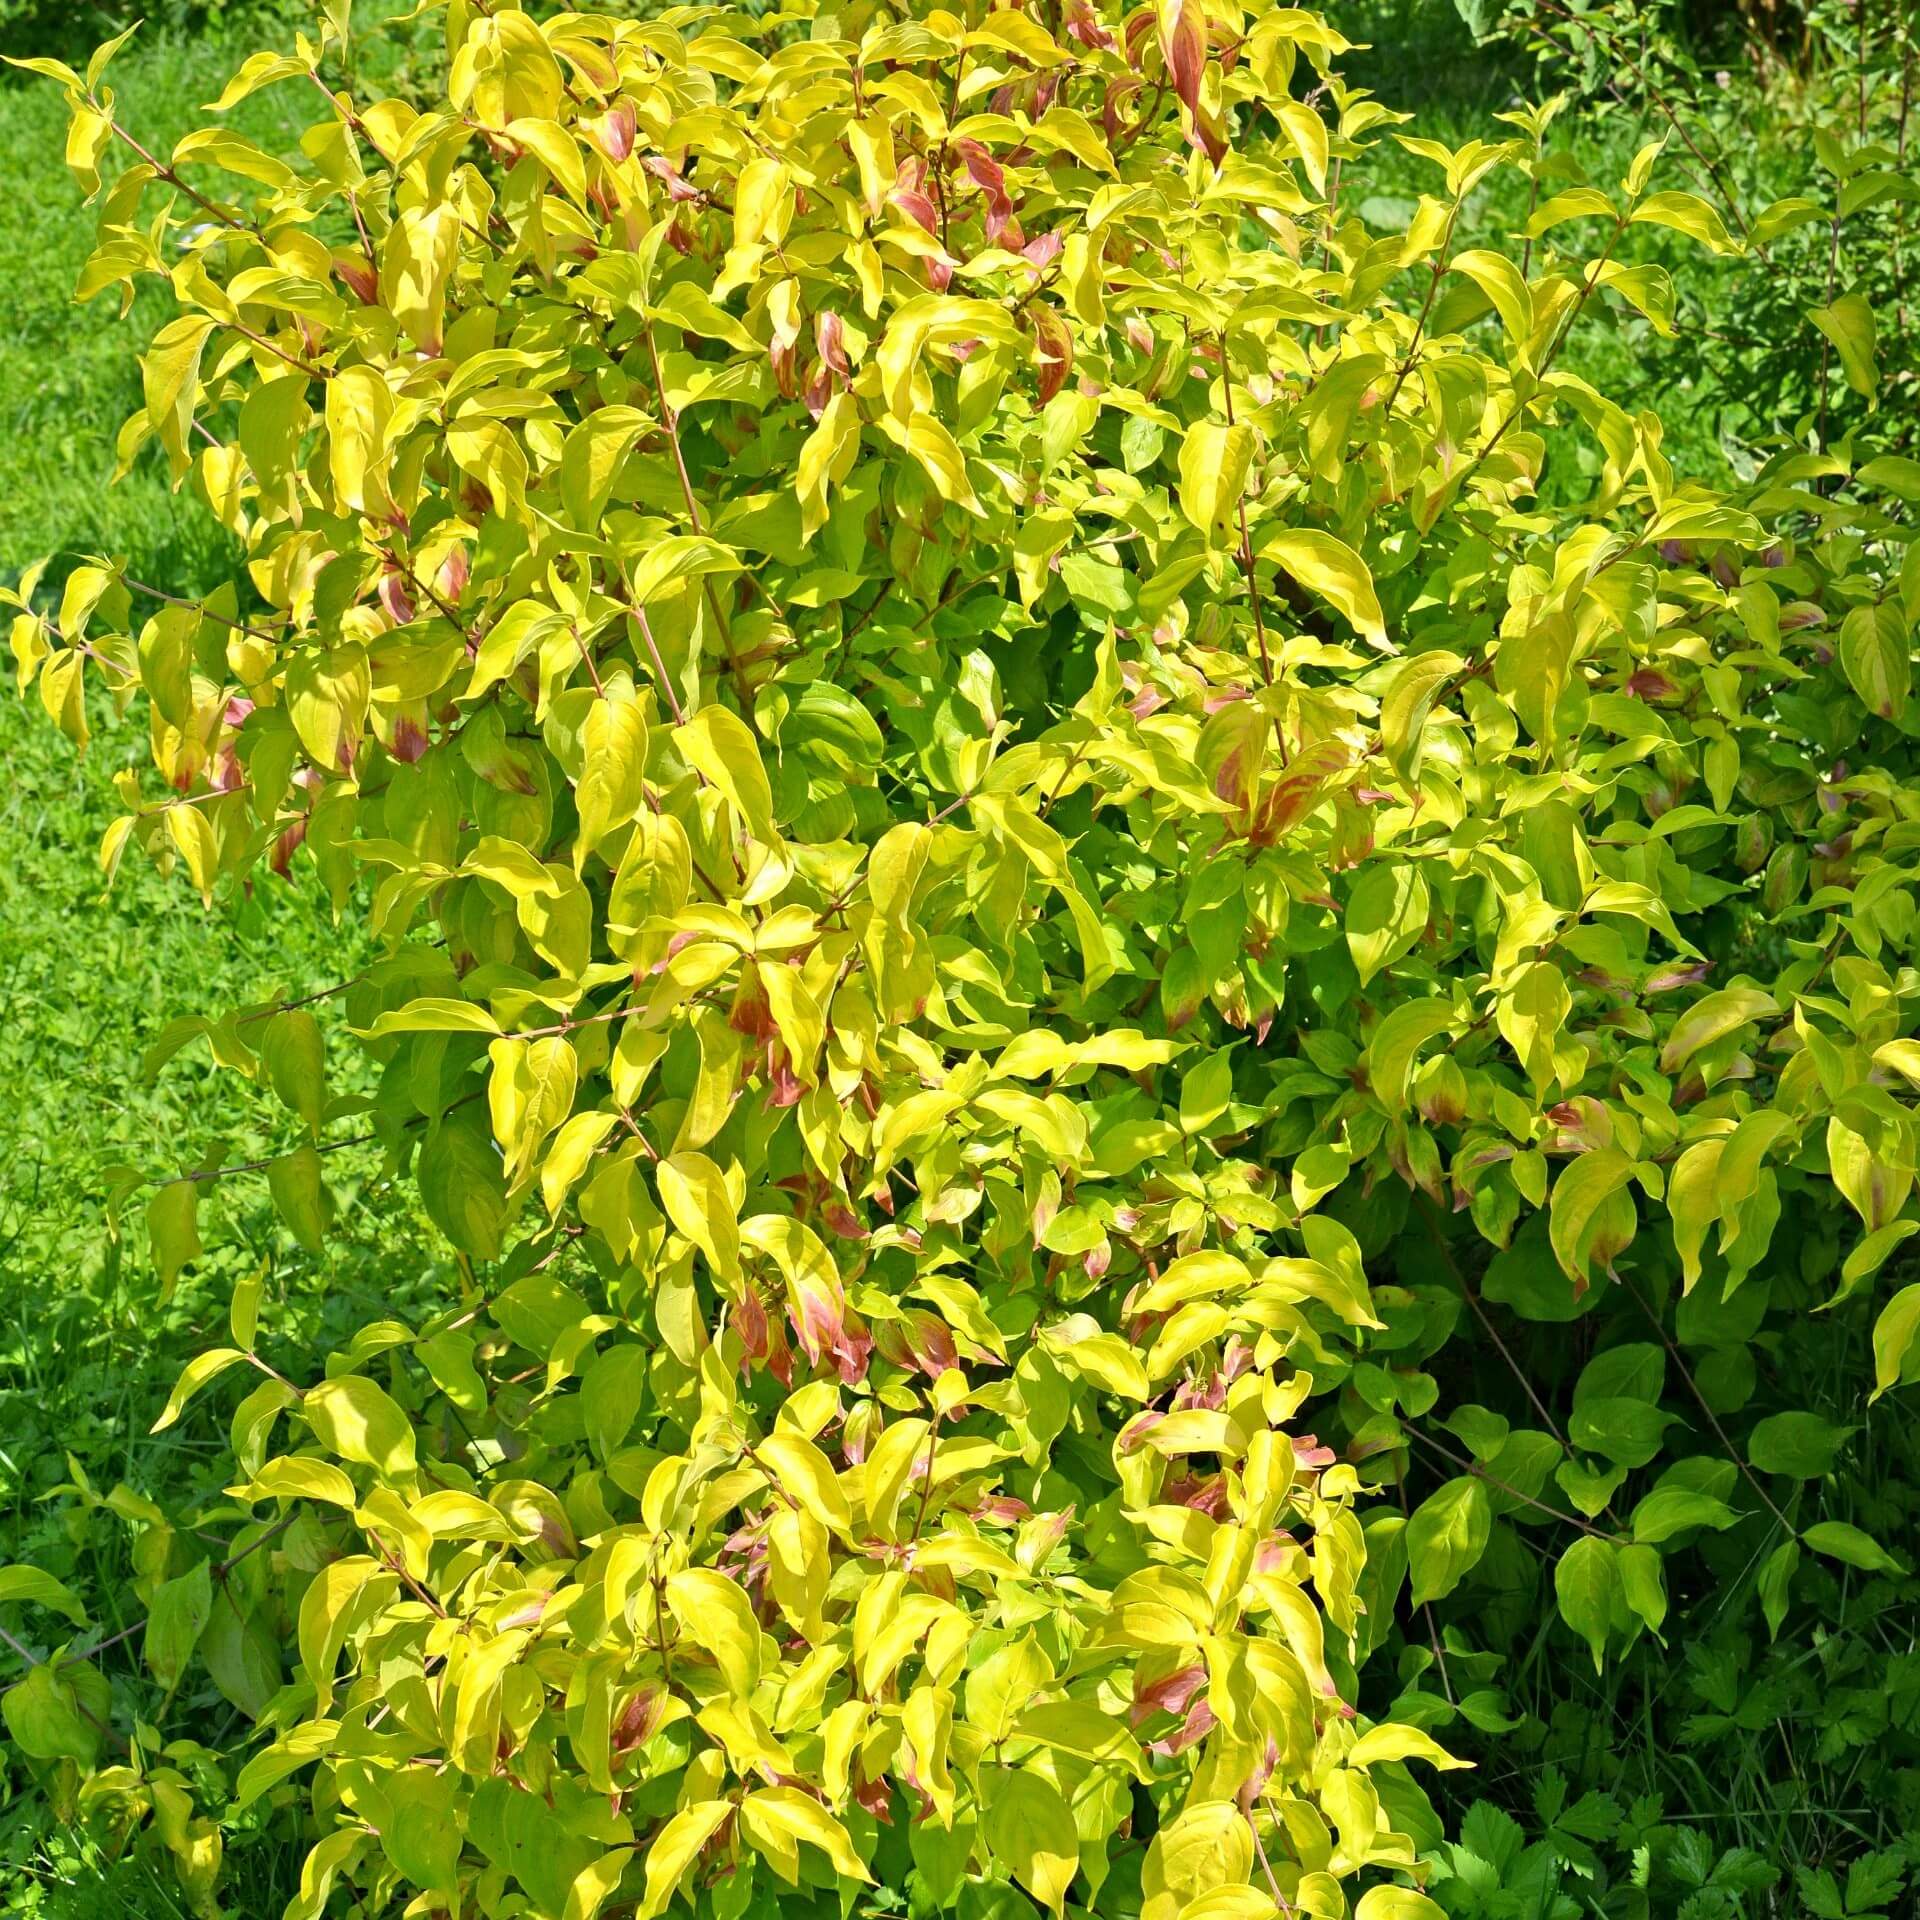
{"x":1246,"y":539}
{"x":218,"y":1573}
{"x":660,"y":667}
{"x":1479,"y":1472}
{"x":671,"y":421}
{"x":256,"y":1166}
{"x":219,"y":619}
{"x":1713,"y":1419}
{"x":225,"y":215}
{"x":1430,"y":1214}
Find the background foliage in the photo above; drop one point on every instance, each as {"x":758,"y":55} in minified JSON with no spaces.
{"x":1729,"y":1771}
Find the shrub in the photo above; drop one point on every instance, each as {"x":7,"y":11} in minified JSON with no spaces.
{"x":1005,"y":830}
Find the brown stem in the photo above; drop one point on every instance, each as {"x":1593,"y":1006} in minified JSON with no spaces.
{"x":660,"y":667}
{"x":219,"y":619}
{"x":255,"y":1166}
{"x":32,"y":1659}
{"x":1285,"y":1905}
{"x":926,"y":1490}
{"x":1900,"y":161}
{"x":219,"y":1573}
{"x":1826,"y":345}
{"x":1426,"y":1606}
{"x":224,"y":215}
{"x":1246,"y":542}
{"x":586,"y":1020}
{"x":1552,"y":354}
{"x":1420,"y":321}
{"x":305,"y":1000}
{"x":593,"y":672}
{"x":293,"y":360}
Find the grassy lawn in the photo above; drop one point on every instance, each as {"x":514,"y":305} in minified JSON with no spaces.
{"x":88,"y":1348}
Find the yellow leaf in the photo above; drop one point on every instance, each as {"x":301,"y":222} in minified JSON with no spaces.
{"x":1214,"y":462}
{"x":713,"y":1612}
{"x":358,"y":1420}
{"x":717,"y":741}
{"x":694,"y":1192}
{"x":799,"y":1816}
{"x":803,"y":1471}
{"x":1332,"y":569}
{"x":675,"y":1848}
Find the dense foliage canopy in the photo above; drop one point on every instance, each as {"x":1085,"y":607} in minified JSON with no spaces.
{"x":1026,"y":793}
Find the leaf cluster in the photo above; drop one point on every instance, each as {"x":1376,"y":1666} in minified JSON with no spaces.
{"x":988,"y":783}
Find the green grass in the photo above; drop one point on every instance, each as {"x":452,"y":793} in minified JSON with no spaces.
{"x":1715,"y":381}
{"x":88,"y":1349}
{"x":67,"y":375}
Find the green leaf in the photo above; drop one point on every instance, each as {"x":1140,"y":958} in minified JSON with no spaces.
{"x":1396,"y":1041}
{"x":1686,"y":213}
{"x":1670,"y":1510}
{"x":1207,"y":1846}
{"x":176,"y":1619}
{"x":798,"y":1816}
{"x":1583,"y":1190}
{"x":1643,"y":1584}
{"x":300,"y":1196}
{"x":1386,"y":915}
{"x":1586,"y":1586}
{"x":1079,"y":1727}
{"x":303,"y":1479}
{"x":1030,"y":1829}
{"x":694,"y":1193}
{"x":530,"y":1091}
{"x":1214,"y":462}
{"x":679,"y":558}
{"x":1848,"y":323}
{"x":1776,"y":1584}
{"x":714,"y":1612}
{"x":1800,"y":1444}
{"x":200,"y":1371}
{"x":173,"y":1229}
{"x":357,"y":1420}
{"x":1712,"y":1018}
{"x":1500,"y":280}
{"x":612,"y":786}
{"x":1446,"y":1536}
{"x":434,"y":1016}
{"x":295,"y":1059}
{"x":50,"y":1716}
{"x":39,"y":1589}
{"x":1894,"y":1334}
{"x":717,"y":743}
{"x":1386,"y":1901}
{"x":1415,"y":684}
{"x":462,"y":1185}
{"x":675,"y":1848}
{"x":1876,"y":654}
{"x":1840,"y":1541}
